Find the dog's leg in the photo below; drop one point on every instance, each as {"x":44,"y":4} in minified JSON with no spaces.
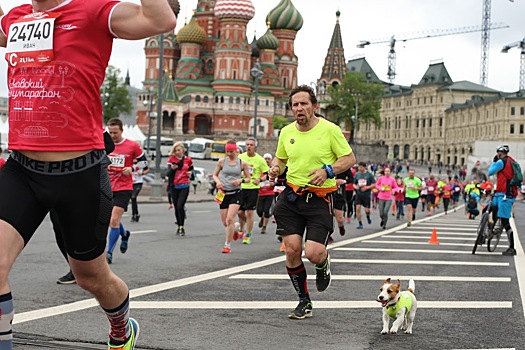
{"x":411,"y":316}
{"x":400,"y":319}
{"x":386,"y":321}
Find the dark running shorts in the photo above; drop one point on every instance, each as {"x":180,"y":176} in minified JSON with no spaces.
{"x":249,"y":199}
{"x":78,"y":190}
{"x":339,"y":201}
{"x":362,"y":199}
{"x":232,"y":198}
{"x":121,"y":199}
{"x":307,"y":212}
{"x":412,"y":202}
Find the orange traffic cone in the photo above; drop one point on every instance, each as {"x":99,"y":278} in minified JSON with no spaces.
{"x":434,"y":237}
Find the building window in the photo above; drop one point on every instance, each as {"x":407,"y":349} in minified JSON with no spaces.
{"x":522,"y":110}
{"x":521,"y":128}
{"x":205,"y":99}
{"x":198,"y":98}
{"x":512,"y":111}
{"x":512,"y":128}
{"x":430,"y":122}
{"x":440,"y":122}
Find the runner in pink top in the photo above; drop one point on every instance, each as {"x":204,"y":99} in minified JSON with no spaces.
{"x":385,"y":184}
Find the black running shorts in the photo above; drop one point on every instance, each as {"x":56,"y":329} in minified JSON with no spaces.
{"x":308,"y":212}
{"x":79,"y":190}
{"x":121,"y":199}
{"x":339,"y":201}
{"x":249,"y":199}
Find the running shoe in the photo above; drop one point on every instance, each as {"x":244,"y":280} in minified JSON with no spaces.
{"x":132,"y":340}
{"x":283,"y":248}
{"x":302,"y":311}
{"x":409,"y":224}
{"x":323,"y":277}
{"x":182,"y":231}
{"x":124,"y":242}
{"x":369,"y":220}
{"x":109,"y":257}
{"x":263,"y":230}
{"x":382,"y":223}
{"x":360,"y":226}
{"x":342,"y":230}
{"x":68,"y":278}
{"x":226,"y":249}
{"x":348,"y":219}
{"x":236,"y":231}
{"x":509,"y":252}
{"x":247,"y":239}
{"x":260,"y":223}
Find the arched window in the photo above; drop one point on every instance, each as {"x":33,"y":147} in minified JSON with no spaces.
{"x":198,"y":98}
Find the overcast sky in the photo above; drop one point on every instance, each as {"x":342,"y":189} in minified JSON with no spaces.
{"x":371,"y":20}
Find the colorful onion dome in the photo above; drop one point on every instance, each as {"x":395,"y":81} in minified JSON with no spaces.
{"x":285,"y":16}
{"x":255,"y":49}
{"x":191,"y":33}
{"x":242,"y":9}
{"x":175,"y":6}
{"x":268,"y":41}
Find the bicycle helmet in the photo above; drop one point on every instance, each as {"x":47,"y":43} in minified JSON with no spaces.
{"x":503,"y":148}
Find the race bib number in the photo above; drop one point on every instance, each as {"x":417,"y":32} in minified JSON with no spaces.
{"x":361,"y":182}
{"x":265,"y":184}
{"x":410,"y":184}
{"x":279,"y":189}
{"x":431,"y":188}
{"x":386,"y":188}
{"x":219,"y":197}
{"x":117,"y":161}
{"x":30,"y":40}
{"x":457,"y":189}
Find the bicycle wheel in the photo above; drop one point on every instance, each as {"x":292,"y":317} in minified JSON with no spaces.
{"x":482,"y":227}
{"x":492,"y":242}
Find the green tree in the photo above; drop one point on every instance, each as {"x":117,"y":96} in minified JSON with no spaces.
{"x":114,"y":95}
{"x":355,"y":101}
{"x":279,"y":122}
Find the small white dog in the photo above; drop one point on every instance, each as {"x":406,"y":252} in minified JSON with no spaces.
{"x":401,"y":306}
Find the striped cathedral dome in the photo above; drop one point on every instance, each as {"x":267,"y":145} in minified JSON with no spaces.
{"x":242,"y":9}
{"x":175,"y":6}
{"x":268,"y":41}
{"x":285,"y":16}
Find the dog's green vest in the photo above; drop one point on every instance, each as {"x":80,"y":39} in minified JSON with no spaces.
{"x":405,"y":300}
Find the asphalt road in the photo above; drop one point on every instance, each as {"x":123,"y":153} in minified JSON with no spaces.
{"x":187,"y":295}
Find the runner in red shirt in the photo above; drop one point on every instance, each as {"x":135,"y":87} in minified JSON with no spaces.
{"x":432,"y":186}
{"x":446,"y":194}
{"x":57,"y":53}
{"x":120,"y":174}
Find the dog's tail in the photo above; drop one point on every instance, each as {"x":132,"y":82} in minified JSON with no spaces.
{"x":412,"y":286}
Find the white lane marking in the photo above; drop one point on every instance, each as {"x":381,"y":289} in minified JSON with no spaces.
{"x":445,"y":224}
{"x":266,"y":276}
{"x":143,"y":231}
{"x":353,"y":304}
{"x":419,"y":262}
{"x":445,"y":228}
{"x":426,"y":243}
{"x":438,"y":232}
{"x":424,"y":251}
{"x":440,"y":237}
{"x":519,"y":261}
{"x":201,"y":211}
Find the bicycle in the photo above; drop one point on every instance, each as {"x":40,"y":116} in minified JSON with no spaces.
{"x":488,"y":230}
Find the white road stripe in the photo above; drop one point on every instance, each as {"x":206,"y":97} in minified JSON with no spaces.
{"x":266,"y":276}
{"x":412,"y":243}
{"x":519,"y":263}
{"x":439,"y":237}
{"x":424,"y":251}
{"x":419,"y":262}
{"x":439,"y":232}
{"x":444,"y":224}
{"x":143,"y":231}
{"x":343,"y":304}
{"x":444,"y":228}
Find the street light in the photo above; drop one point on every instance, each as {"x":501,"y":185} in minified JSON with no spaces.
{"x":151,"y":115}
{"x":257,"y":74}
{"x":355,"y":119}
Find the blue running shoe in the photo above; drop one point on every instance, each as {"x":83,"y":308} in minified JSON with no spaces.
{"x":124,"y":243}
{"x":132,"y":340}
{"x":360,"y":226}
{"x":369,"y":220}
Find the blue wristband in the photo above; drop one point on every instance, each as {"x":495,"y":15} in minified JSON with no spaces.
{"x":329,"y":171}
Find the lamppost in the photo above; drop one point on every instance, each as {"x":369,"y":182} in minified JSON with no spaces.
{"x":151,"y":115}
{"x":156,"y":185}
{"x":355,"y":120}
{"x":257,"y":74}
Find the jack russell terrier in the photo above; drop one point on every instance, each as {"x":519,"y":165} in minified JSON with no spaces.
{"x":401,"y":306}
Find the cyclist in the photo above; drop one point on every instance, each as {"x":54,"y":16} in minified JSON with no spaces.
{"x":504,"y":194}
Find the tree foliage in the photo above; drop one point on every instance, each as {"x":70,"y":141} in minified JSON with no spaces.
{"x":114,"y":95}
{"x":279,"y":122}
{"x":354,"y":91}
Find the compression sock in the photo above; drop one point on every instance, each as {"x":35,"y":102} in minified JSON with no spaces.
{"x":120,"y":329}
{"x":298,"y":278}
{"x":114,"y":233}
{"x":508,"y":229}
{"x":122,"y":231}
{"x":7,"y":313}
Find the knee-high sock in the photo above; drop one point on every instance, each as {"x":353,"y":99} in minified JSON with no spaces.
{"x":7,"y":313}
{"x":122,"y":230}
{"x":119,"y":323}
{"x":114,"y":233}
{"x":298,"y":277}
{"x":510,"y":233}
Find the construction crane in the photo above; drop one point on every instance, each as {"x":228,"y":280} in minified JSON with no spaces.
{"x":521,"y":45}
{"x":391,"y":72}
{"x":485,"y":38}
